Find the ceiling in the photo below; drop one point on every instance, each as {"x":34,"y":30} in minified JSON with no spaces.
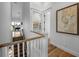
{"x":40,"y":5}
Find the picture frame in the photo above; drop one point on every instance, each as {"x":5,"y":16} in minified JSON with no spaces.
{"x":67,"y":20}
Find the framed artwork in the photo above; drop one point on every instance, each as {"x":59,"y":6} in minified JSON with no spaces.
{"x":67,"y":20}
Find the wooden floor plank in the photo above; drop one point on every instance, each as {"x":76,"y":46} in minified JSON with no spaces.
{"x":56,"y":52}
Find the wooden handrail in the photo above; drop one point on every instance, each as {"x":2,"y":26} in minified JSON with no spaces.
{"x":28,"y":39}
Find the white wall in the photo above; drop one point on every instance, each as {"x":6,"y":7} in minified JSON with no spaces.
{"x":64,"y":41}
{"x":24,"y":15}
{"x":16,"y":9}
{"x":5,"y":20}
{"x":4,"y":23}
{"x":26,"y":18}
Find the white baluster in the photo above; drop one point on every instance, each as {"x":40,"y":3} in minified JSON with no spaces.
{"x":18,"y":50}
{"x":29,"y":48}
{"x":40,"y":47}
{"x":23,"y":49}
{"x":36,"y":43}
{"x":35,"y":46}
{"x":12,"y":50}
{"x":28,"y":51}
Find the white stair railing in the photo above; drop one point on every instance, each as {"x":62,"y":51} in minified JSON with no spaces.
{"x":23,"y":49}
{"x":38,"y":48}
{"x":34,"y":47}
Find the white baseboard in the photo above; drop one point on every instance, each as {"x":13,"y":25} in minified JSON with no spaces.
{"x":66,"y":49}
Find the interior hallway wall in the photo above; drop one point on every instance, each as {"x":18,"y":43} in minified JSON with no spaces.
{"x":24,"y":9}
{"x":5,"y":18}
{"x":5,"y":21}
{"x":67,"y":42}
{"x":26,"y":18}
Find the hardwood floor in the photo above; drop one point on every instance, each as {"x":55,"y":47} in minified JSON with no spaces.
{"x":56,"y":52}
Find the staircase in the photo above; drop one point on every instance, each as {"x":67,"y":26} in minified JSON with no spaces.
{"x":33,"y":46}
{"x":20,"y":47}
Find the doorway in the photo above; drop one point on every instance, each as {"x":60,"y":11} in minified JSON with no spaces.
{"x":47,"y":14}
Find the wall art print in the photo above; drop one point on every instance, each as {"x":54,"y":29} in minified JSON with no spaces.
{"x":67,"y":20}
